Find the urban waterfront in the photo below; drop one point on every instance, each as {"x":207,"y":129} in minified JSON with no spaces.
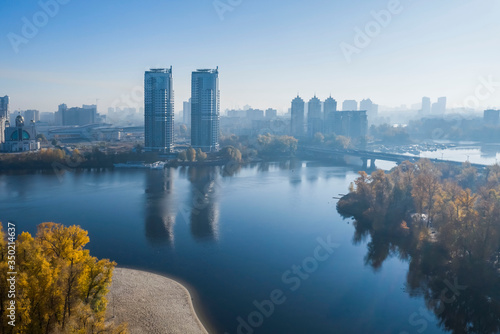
{"x":235,"y":238}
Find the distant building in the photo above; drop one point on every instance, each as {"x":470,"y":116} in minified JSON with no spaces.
{"x":255,"y":114}
{"x":350,"y":105}
{"x":271,"y":113}
{"x":186,"y":112}
{"x":354,"y":123}
{"x":330,"y":112}
{"x":426,"y":106}
{"x":21,"y":138}
{"x":4,"y":107}
{"x":370,"y":107}
{"x":47,"y":117}
{"x":492,"y":117}
{"x":297,"y":120}
{"x":76,"y":116}
{"x":32,"y":115}
{"x":240,"y":113}
{"x":4,"y":115}
{"x":58,"y":118}
{"x":439,"y":108}
{"x":2,"y":130}
{"x":314,"y":117}
{"x":158,"y":110}
{"x":205,"y":110}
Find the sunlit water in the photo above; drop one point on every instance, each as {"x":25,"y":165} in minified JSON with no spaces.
{"x":235,"y":240}
{"x":487,"y":154}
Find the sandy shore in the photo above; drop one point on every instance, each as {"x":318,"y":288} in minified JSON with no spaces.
{"x":151,"y":303}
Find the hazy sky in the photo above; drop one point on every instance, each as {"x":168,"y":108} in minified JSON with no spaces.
{"x":266,"y":50}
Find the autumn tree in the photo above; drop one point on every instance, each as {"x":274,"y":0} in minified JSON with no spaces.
{"x":60,"y":287}
{"x":426,"y":186}
{"x":231,"y":153}
{"x":200,"y":155}
{"x":182,"y":156}
{"x":191,"y":154}
{"x":183,"y":130}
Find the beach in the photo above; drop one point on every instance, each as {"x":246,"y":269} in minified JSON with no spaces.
{"x":151,"y":303}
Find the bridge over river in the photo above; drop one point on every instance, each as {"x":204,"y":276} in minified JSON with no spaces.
{"x":372,"y":156}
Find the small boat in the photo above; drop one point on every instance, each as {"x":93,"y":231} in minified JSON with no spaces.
{"x":157,"y":165}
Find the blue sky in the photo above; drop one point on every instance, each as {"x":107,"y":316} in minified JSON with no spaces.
{"x":267,"y":51}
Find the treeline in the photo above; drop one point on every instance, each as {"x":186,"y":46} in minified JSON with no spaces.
{"x":454,"y":127}
{"x":460,"y":204}
{"x":59,"y":287}
{"x":389,"y":134}
{"x":59,"y":158}
{"x":332,"y":141}
{"x":444,"y":221}
{"x":266,"y":146}
{"x":228,"y":153}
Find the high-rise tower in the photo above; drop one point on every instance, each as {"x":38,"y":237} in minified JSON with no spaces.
{"x":297,"y":122}
{"x":330,"y":113}
{"x":4,"y":107}
{"x":205,"y":110}
{"x":314,"y":117}
{"x":159,"y":110}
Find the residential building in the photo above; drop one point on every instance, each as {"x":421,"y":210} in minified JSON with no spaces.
{"x":350,"y":105}
{"x":330,"y":111}
{"x":439,"y":108}
{"x":186,"y":112}
{"x":492,"y":117}
{"x":32,"y":115}
{"x":297,"y":117}
{"x":314,"y":117}
{"x":205,"y":110}
{"x":426,"y":106}
{"x":158,"y":110}
{"x":4,"y":107}
{"x":370,"y":108}
{"x":271,"y":113}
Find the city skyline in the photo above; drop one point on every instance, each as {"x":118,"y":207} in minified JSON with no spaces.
{"x":399,"y":65}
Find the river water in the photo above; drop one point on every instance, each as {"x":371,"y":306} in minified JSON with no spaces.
{"x":263,"y":246}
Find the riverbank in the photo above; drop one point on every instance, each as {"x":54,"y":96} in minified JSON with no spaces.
{"x":152,"y":303}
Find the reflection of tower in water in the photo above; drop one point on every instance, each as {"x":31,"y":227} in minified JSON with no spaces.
{"x":204,"y":216}
{"x":160,"y":207}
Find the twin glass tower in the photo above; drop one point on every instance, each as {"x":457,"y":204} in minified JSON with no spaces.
{"x":159,"y":110}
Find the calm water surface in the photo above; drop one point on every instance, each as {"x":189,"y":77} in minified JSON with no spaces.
{"x":235,"y":239}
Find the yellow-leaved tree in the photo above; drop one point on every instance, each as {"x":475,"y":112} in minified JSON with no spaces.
{"x":60,"y":288}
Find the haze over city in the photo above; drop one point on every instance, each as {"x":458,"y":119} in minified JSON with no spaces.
{"x":250,"y":167}
{"x":267,"y":52}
